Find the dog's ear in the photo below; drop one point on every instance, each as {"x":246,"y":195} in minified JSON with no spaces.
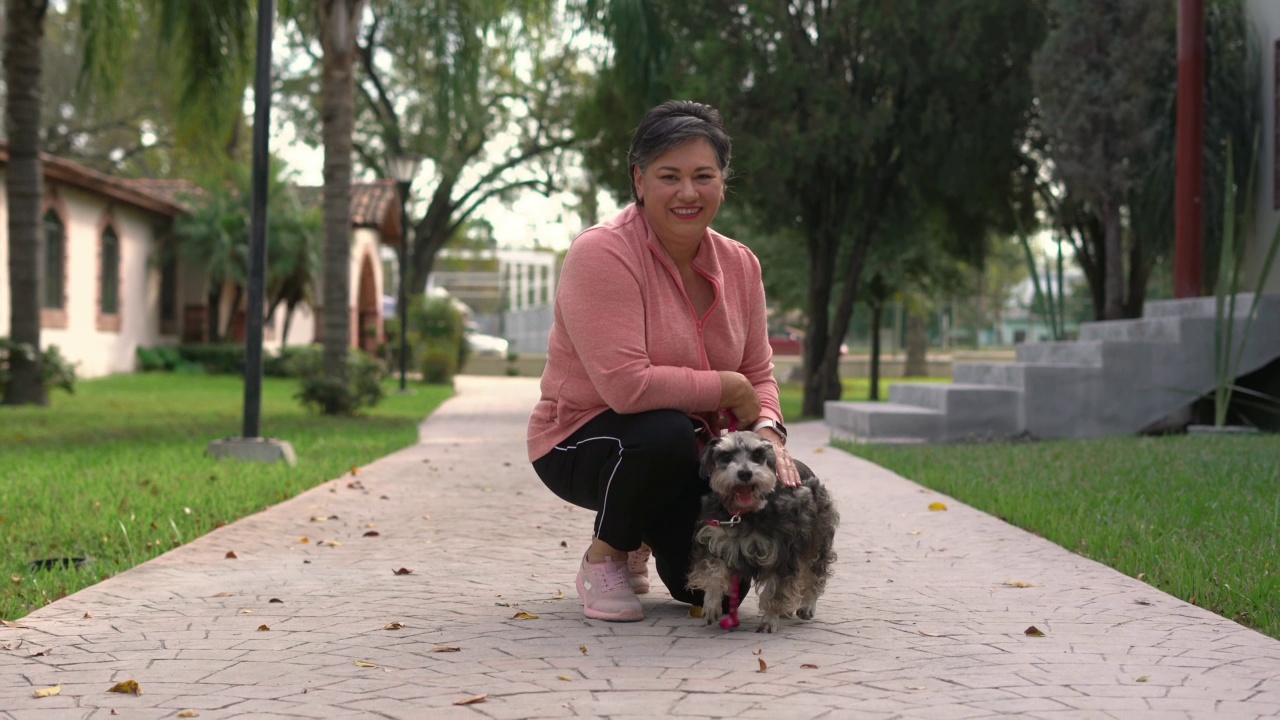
{"x":708,"y":465}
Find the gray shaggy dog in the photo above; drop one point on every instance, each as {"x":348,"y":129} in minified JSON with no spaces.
{"x":754,"y":528}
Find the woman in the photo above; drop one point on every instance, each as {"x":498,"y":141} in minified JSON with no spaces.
{"x":660,"y":329}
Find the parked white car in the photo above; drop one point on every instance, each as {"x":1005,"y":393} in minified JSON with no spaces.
{"x":482,"y":344}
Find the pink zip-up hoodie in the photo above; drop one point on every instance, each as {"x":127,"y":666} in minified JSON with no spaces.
{"x":626,"y":335}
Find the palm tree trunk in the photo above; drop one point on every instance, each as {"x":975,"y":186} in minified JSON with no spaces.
{"x":1114,"y":262}
{"x":339,"y":21}
{"x":23,"y":46}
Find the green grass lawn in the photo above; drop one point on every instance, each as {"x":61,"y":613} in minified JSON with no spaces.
{"x":117,"y":472}
{"x":1197,"y":517}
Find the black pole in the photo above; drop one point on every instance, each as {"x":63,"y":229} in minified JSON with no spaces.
{"x":402,"y":303}
{"x":258,"y":230}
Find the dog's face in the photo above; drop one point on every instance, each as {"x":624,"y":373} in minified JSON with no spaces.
{"x":742,"y":469}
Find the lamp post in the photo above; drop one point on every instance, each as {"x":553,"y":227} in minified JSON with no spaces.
{"x":403,"y":168}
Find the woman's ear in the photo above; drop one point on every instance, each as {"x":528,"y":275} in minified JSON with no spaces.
{"x":636,"y":178}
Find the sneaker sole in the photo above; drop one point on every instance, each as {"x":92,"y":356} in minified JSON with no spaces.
{"x":623,"y":616}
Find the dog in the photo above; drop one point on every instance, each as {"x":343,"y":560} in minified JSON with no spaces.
{"x":754,"y":528}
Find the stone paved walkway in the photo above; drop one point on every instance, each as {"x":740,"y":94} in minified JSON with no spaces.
{"x":920,"y":620}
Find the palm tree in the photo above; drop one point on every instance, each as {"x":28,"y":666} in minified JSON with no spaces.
{"x":23,"y":45}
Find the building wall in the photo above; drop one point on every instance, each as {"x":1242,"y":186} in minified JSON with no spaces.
{"x":1266,"y":21}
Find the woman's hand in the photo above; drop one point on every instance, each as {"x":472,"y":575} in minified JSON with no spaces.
{"x":786,"y":467}
{"x":739,"y":397}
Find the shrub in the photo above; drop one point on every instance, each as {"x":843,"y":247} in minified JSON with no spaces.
{"x":439,"y":364}
{"x":284,"y":363}
{"x":149,"y":360}
{"x":363,"y":388}
{"x":58,"y":372}
{"x":218,"y":359}
{"x":438,"y":323}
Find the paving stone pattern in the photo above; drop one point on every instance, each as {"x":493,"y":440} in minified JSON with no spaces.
{"x":920,"y":620}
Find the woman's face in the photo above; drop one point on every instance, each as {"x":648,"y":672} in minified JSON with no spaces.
{"x":682,"y":190}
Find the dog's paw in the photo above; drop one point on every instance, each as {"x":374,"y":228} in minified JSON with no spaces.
{"x":711,"y":613}
{"x":805,"y":613}
{"x":767,"y":624}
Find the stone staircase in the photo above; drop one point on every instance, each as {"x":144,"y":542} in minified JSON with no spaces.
{"x":1119,"y":378}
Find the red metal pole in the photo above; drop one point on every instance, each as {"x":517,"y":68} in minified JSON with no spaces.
{"x":1188,"y":258}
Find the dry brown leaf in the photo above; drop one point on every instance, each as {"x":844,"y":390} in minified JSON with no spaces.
{"x":471,"y":700}
{"x":393,"y":626}
{"x":48,"y":692}
{"x":565,"y":678}
{"x":1143,"y":678}
{"x":757,"y":651}
{"x":275,"y":600}
{"x":188,"y":714}
{"x":15,"y":579}
{"x":503,"y":604}
{"x":808,"y":666}
{"x":41,"y":653}
{"x":87,"y":615}
{"x":371,"y":533}
{"x":355,"y":471}
{"x":12,"y":624}
{"x":695,"y":611}
{"x":818,"y":450}
{"x":304,"y":540}
{"x":1018,"y":584}
{"x":558,"y":596}
{"x":764,"y":667}
{"x":929,"y":634}
{"x":914,"y":532}
{"x":128,"y":687}
{"x":263,"y":628}
{"x":582,"y":649}
{"x":225,"y":594}
{"x":522,"y":615}
{"x":330,"y":543}
{"x":230,"y":555}
{"x":1033,"y":631}
{"x":402,"y":571}
{"x":363,"y":664}
{"x":937,"y":506}
{"x":11,"y":646}
{"x":319,"y":518}
{"x":914,"y":687}
{"x":247,"y":611}
{"x":446,"y":648}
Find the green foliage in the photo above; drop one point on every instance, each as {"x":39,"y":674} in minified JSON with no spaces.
{"x":362,"y":390}
{"x":139,"y":482}
{"x":166,"y":358}
{"x":1197,"y":517}
{"x":436,"y":323}
{"x":214,"y":358}
{"x":439,"y":364}
{"x":56,"y":370}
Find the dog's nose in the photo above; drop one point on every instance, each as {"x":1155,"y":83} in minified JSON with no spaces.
{"x":745,"y":475}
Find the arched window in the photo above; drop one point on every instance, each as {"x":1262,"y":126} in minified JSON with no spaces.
{"x":55,"y":266}
{"x":110,"y":279}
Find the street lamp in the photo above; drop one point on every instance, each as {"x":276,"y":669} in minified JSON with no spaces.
{"x":403,"y":167}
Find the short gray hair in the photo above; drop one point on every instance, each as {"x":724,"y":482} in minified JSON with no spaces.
{"x":670,"y":125}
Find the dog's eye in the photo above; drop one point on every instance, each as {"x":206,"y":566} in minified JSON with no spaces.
{"x":758,"y":456}
{"x":724,"y":458}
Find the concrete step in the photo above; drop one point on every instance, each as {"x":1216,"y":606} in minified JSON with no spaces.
{"x":1148,"y":329}
{"x":1061,"y":353}
{"x":1192,"y":307}
{"x":970,"y":410}
{"x":882,"y":422}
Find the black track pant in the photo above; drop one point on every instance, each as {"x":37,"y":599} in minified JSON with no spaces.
{"x":640,"y":474}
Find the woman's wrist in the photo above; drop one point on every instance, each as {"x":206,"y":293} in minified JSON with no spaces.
{"x":772,"y":436}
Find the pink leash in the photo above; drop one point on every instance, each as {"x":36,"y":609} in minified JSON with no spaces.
{"x":731,"y":622}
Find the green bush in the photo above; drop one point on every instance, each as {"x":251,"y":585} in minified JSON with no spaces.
{"x":58,"y":372}
{"x":284,"y":363}
{"x":439,"y":364}
{"x":166,"y":358}
{"x":150,"y":361}
{"x":363,"y":388}
{"x":218,"y":359}
{"x":438,"y":323}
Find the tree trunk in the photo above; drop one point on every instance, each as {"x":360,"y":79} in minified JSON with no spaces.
{"x":917,"y":346}
{"x":23,"y":48}
{"x":1114,"y":260}
{"x":339,"y":21}
{"x":214,"y":300}
{"x":877,"y":314}
{"x":228,"y":329}
{"x":1139,"y":272}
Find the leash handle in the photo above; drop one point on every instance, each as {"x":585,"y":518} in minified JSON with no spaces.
{"x":731,"y":622}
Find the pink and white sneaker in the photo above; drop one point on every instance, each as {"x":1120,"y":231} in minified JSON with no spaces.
{"x":638,"y":569}
{"x":606,"y":592}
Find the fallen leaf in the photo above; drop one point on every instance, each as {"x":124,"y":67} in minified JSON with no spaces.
{"x":275,"y":600}
{"x":471,"y":700}
{"x":355,"y":471}
{"x":128,"y":687}
{"x":914,"y":687}
{"x":695,"y":611}
{"x":817,"y":450}
{"x":363,"y":664}
{"x":263,"y":628}
{"x":1142,"y":576}
{"x":764,"y":667}
{"x":48,"y":692}
{"x":393,"y":626}
{"x":230,"y":555}
{"x":304,"y":540}
{"x":558,"y":596}
{"x":188,"y":713}
{"x":11,"y":624}
{"x":582,"y":649}
{"x":1033,"y":631}
{"x":914,"y":532}
{"x":372,"y":533}
{"x":319,"y":518}
{"x":247,"y":611}
{"x":401,"y":571}
{"x":757,"y":651}
{"x":11,"y":646}
{"x":330,"y":543}
{"x":1018,"y":584}
{"x":564,"y":544}
{"x":41,"y":653}
{"x":808,"y":666}
{"x":446,"y":648}
{"x":929,"y":634}
{"x":937,"y":506}
{"x":565,"y":678}
{"x":15,"y":579}
{"x":522,"y":615}
{"x":113,"y":711}
{"x":503,"y":604}
{"x":225,"y":594}
{"x":1143,"y":678}
{"x":88,"y":615}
